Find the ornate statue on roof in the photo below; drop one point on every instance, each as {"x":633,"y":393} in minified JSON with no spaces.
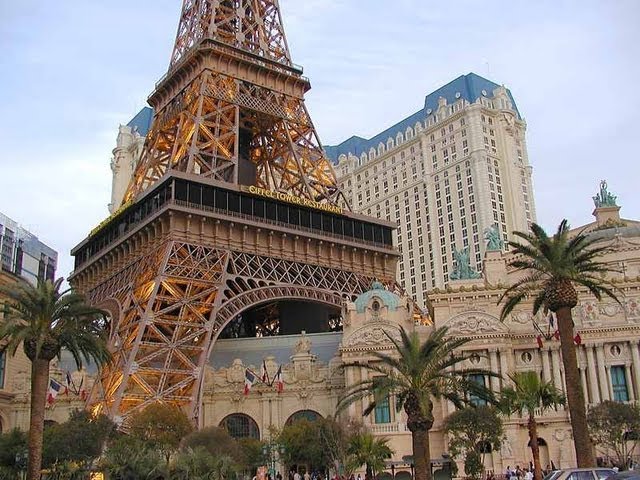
{"x":604,"y":198}
{"x":492,"y":236}
{"x":462,"y":269}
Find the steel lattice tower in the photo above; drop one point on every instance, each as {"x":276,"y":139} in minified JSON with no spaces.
{"x":232,"y":204}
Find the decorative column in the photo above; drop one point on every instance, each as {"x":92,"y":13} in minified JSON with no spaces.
{"x":504,"y":366}
{"x":635,"y":358}
{"x":593,"y":379}
{"x":627,"y":375}
{"x":602,"y":372}
{"x":557,"y":368}
{"x":546,"y":370}
{"x":493,"y":362}
{"x":583,"y":379}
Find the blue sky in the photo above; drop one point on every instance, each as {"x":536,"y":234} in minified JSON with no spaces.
{"x":71,"y":71}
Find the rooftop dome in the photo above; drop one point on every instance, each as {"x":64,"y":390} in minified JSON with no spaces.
{"x":377,"y":291}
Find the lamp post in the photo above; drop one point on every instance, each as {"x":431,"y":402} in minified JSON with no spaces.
{"x":271,"y":451}
{"x":21,"y":462}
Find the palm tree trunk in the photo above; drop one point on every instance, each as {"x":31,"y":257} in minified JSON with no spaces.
{"x":535,"y":448}
{"x":575,"y":399}
{"x":421,"y":454}
{"x":39,"y":387}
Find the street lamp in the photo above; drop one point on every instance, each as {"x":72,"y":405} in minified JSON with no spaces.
{"x":271,"y":451}
{"x":21,"y":462}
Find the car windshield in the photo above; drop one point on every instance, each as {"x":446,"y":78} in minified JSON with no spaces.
{"x":552,"y":475}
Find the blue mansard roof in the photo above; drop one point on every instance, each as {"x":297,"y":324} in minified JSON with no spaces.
{"x":470,"y":87}
{"x":142,"y":121}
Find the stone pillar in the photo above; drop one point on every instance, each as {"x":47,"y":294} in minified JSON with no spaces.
{"x":546,"y":370}
{"x":627,"y":375}
{"x":583,"y":379}
{"x":493,"y":362}
{"x":635,"y":358}
{"x":557,"y":369}
{"x":602,"y":372}
{"x":504,"y":366}
{"x":593,"y":379}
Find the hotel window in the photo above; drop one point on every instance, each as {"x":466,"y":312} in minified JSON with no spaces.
{"x":474,"y":399}
{"x":619,"y":384}
{"x":3,"y":363}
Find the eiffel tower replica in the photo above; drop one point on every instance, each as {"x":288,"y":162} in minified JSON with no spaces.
{"x":232,"y":204}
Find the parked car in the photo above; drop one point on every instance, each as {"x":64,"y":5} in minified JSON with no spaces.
{"x":626,"y":475}
{"x":581,"y":474}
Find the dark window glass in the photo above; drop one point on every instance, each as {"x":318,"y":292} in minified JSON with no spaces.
{"x":382,"y":411}
{"x":305,"y":218}
{"x":258,"y":207}
{"x":283,"y":212}
{"x":326,"y":223}
{"x":348,"y":228}
{"x":207,"y":196}
{"x":246,"y":205}
{"x":316,"y":220}
{"x":234,"y":202}
{"x":3,"y":357}
{"x":271,"y":211}
{"x":308,"y":415}
{"x":221,"y":199}
{"x":181,"y":190}
{"x":240,"y":426}
{"x":294,"y":216}
{"x":479,"y":379}
{"x":195,"y":194}
{"x":619,"y":384}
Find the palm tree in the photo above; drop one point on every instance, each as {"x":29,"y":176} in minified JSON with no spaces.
{"x":553,"y":265}
{"x":371,"y":451}
{"x":46,"y":321}
{"x":531,"y":396}
{"x":417,"y":373}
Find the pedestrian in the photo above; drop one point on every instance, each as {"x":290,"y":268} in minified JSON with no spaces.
{"x":296,"y":476}
{"x":528,"y":475}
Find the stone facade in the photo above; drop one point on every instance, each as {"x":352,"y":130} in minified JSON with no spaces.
{"x":609,"y":358}
{"x":445,"y":175}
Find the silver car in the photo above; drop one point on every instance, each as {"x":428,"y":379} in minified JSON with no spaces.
{"x":580,"y":474}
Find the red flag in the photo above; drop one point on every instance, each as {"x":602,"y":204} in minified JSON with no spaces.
{"x":279,"y":380}
{"x":249,"y":380}
{"x":577,"y":339}
{"x":539,"y":340}
{"x":52,"y":392}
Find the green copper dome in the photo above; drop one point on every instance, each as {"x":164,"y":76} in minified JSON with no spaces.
{"x":387,"y":298}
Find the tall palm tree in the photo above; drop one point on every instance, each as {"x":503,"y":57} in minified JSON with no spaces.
{"x":46,"y":321}
{"x":416,"y":373}
{"x":553,"y":265}
{"x":531,"y":396}
{"x":371,"y":451}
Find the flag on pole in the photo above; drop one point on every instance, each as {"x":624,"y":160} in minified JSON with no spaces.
{"x":52,"y":392}
{"x":279,"y":380}
{"x":249,"y":380}
{"x":264,"y":374}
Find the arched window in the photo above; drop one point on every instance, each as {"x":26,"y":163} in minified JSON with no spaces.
{"x":399,"y":138}
{"x":309,"y":415}
{"x":541,"y":442}
{"x":484,"y":447}
{"x":239,"y":425}
{"x":380,"y":148}
{"x":390,"y":144}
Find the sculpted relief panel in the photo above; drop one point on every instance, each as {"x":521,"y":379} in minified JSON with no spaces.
{"x":475,"y":323}
{"x":373,"y":335}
